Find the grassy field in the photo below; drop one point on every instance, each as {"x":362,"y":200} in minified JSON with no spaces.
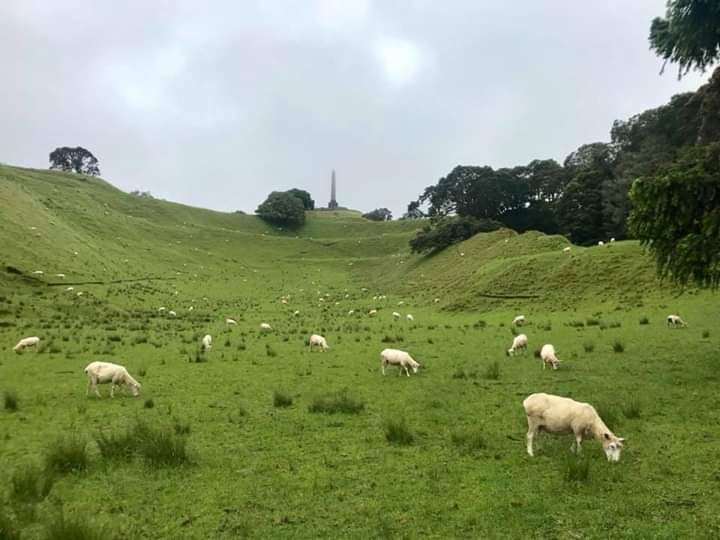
{"x":236,"y":443}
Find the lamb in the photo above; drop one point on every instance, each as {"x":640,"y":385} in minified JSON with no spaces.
{"x":207,"y":343}
{"x":398,"y":358}
{"x":265,"y":327}
{"x":547,"y":353}
{"x":396,"y":315}
{"x":519,"y":343}
{"x":26,"y":342}
{"x":318,"y":341}
{"x":409,"y":317}
{"x":556,"y":414}
{"x":519,"y":320}
{"x":231,"y":322}
{"x":674,"y":321}
{"x":105,"y":372}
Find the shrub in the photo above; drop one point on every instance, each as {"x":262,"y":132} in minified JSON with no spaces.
{"x":644,"y":320}
{"x":632,"y":408}
{"x":589,"y":346}
{"x":66,"y":455}
{"x":469,"y":441}
{"x":282,"y":207}
{"x":576,"y":468}
{"x":11,"y":400}
{"x":493,"y":371}
{"x":618,"y":347}
{"x":397,"y":432}
{"x":281,"y":399}
{"x":446,"y":231}
{"x":338,"y":402}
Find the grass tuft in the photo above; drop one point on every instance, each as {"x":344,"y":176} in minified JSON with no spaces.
{"x":644,"y":320}
{"x":30,"y":484}
{"x":158,"y":446}
{"x":589,"y":346}
{"x":8,"y":529}
{"x":493,"y":371}
{"x":397,"y":432}
{"x":632,"y":408}
{"x":576,"y":468}
{"x":281,"y":399}
{"x":10,"y":400}
{"x":468,"y":441}
{"x":62,"y":528}
{"x":339,"y":402}
{"x":68,"y":454}
{"x":618,"y":346}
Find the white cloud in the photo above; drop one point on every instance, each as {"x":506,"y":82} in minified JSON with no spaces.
{"x":400,"y":59}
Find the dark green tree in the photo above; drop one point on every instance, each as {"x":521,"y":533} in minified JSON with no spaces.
{"x":688,"y":35}
{"x":304,"y":196}
{"x":379,"y":214}
{"x":677,"y":215}
{"x":76,"y":159}
{"x":283,"y":208}
{"x":449,"y":230}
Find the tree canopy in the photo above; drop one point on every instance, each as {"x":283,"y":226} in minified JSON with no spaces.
{"x":304,"y":196}
{"x":379,"y":214}
{"x":76,"y":159}
{"x":283,"y":208}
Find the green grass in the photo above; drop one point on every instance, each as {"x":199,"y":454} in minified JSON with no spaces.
{"x":67,"y":454}
{"x":341,"y":401}
{"x":10,"y":400}
{"x":457,"y":436}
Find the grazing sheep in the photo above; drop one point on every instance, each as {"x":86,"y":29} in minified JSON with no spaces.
{"x":409,"y":317}
{"x":172,"y":313}
{"x":436,"y":300}
{"x":566,"y":249}
{"x":318,"y":341}
{"x":601,"y":243}
{"x":60,"y":275}
{"x":612,"y":240}
{"x":400,"y":303}
{"x":399,"y":358}
{"x":207,"y":343}
{"x":547,"y":354}
{"x":265,"y":327}
{"x":372,"y":312}
{"x":556,"y":414}
{"x":519,"y":343}
{"x":105,"y":372}
{"x":674,"y":321}
{"x":296,"y":313}
{"x":161,"y":309}
{"x":519,"y":320}
{"x":26,"y":342}
{"x":38,"y":272}
{"x":351,"y":312}
{"x":231,"y":322}
{"x":396,"y":315}
{"x":70,"y":289}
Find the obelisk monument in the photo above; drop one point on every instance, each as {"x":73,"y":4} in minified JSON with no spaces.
{"x":333,"y":202}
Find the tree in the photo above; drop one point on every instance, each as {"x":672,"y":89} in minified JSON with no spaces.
{"x":446,"y":231}
{"x":282,"y":207}
{"x":688,"y":35}
{"x":677,"y":215}
{"x":379,"y":214}
{"x":304,"y":196}
{"x":77,"y":160}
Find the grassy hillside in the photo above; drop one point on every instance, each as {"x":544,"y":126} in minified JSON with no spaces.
{"x":257,"y":468}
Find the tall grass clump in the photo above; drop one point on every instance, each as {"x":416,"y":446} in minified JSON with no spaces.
{"x":158,"y":446}
{"x":30,"y":484}
{"x":281,"y":399}
{"x":66,"y":455}
{"x":397,"y":432}
{"x":618,"y":346}
{"x":632,"y":408}
{"x":493,"y":371}
{"x":8,"y":529}
{"x":576,"y":468}
{"x":62,"y":528}
{"x":339,"y":402}
{"x":468,"y":441}
{"x":589,"y":346}
{"x":706,"y":334}
{"x":10,"y":400}
{"x":644,"y":320}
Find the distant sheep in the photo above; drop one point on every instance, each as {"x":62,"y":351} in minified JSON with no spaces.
{"x":674,"y":321}
{"x":38,"y":272}
{"x":26,"y":342}
{"x":60,"y":275}
{"x":161,"y":309}
{"x":396,"y":315}
{"x":207,"y":343}
{"x":548,"y":356}
{"x":601,"y":243}
{"x":566,"y":249}
{"x":105,"y":372}
{"x":399,"y":358}
{"x":265,"y":327}
{"x":556,"y":414}
{"x":409,"y":317}
{"x":296,"y":313}
{"x":231,"y":322}
{"x":519,"y":343}
{"x":318,"y":341}
{"x":372,"y":312}
{"x":172,"y":313}
{"x":70,"y":289}
{"x":519,"y":320}
{"x":351,"y":312}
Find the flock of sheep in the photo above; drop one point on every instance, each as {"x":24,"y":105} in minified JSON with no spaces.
{"x":545,"y":412}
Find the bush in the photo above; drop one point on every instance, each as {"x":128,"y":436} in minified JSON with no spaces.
{"x":469,"y":441}
{"x":339,"y":402}
{"x":397,"y":432}
{"x":493,"y":371}
{"x":450,"y":230}
{"x":282,"y":207}
{"x":11,"y":401}
{"x":66,"y":455}
{"x":379,"y":214}
{"x":149,"y":403}
{"x":577,"y":468}
{"x":618,"y":347}
{"x":281,"y":399}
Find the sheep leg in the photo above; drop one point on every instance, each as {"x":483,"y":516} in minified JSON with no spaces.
{"x":578,"y":439}
{"x":532,"y":430}
{"x":406,"y":371}
{"x":382,"y":367}
{"x":112,"y":389}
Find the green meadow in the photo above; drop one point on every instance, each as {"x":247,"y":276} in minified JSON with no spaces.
{"x":261,"y":438}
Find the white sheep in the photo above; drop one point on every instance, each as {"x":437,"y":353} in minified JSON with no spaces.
{"x":519,"y":343}
{"x":548,"y":356}
{"x":566,"y":249}
{"x":26,"y":342}
{"x":556,"y":414}
{"x":612,"y":240}
{"x":400,"y":303}
{"x":105,"y":372}
{"x":396,"y":315}
{"x":409,"y":317}
{"x":231,"y":322}
{"x":601,"y":243}
{"x":265,"y":327}
{"x":437,"y":300}
{"x":70,"y":289}
{"x":674,"y":321}
{"x":60,"y":275}
{"x":38,"y":272}
{"x":318,"y":341}
{"x":296,"y":313}
{"x":351,"y":312}
{"x":372,"y":312}
{"x":161,"y":309}
{"x":172,"y":313}
{"x":519,"y":320}
{"x":207,"y":343}
{"x":399,"y":358}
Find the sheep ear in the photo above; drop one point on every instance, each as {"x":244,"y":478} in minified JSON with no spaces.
{"x":621,"y":440}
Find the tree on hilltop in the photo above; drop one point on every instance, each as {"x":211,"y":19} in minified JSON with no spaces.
{"x":379,"y":214}
{"x":304,"y":196}
{"x":282,"y":207}
{"x":78,"y":160}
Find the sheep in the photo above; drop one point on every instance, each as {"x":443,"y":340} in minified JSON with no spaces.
{"x":207,"y":343}
{"x":231,"y":322}
{"x":296,"y":313}
{"x":396,"y":315}
{"x":318,"y":341}
{"x":409,"y":317}
{"x":437,"y":300}
{"x":265,"y":327}
{"x":566,"y":249}
{"x":161,"y":309}
{"x":60,"y":275}
{"x":105,"y":372}
{"x":556,"y":414}
{"x":70,"y":289}
{"x":519,"y":320}
{"x":172,"y":313}
{"x":519,"y":343}
{"x":372,"y":312}
{"x":398,"y":358}
{"x":38,"y":272}
{"x":674,"y":321}
{"x":547,"y":354}
{"x":601,"y":243}
{"x":612,"y":240}
{"x":400,"y":303}
{"x":26,"y":342}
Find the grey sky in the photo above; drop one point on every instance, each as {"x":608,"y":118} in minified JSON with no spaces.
{"x":217,"y":105}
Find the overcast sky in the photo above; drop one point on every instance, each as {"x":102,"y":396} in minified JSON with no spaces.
{"x":216,"y":104}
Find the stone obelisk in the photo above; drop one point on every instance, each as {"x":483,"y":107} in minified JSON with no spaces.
{"x":333,"y":202}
